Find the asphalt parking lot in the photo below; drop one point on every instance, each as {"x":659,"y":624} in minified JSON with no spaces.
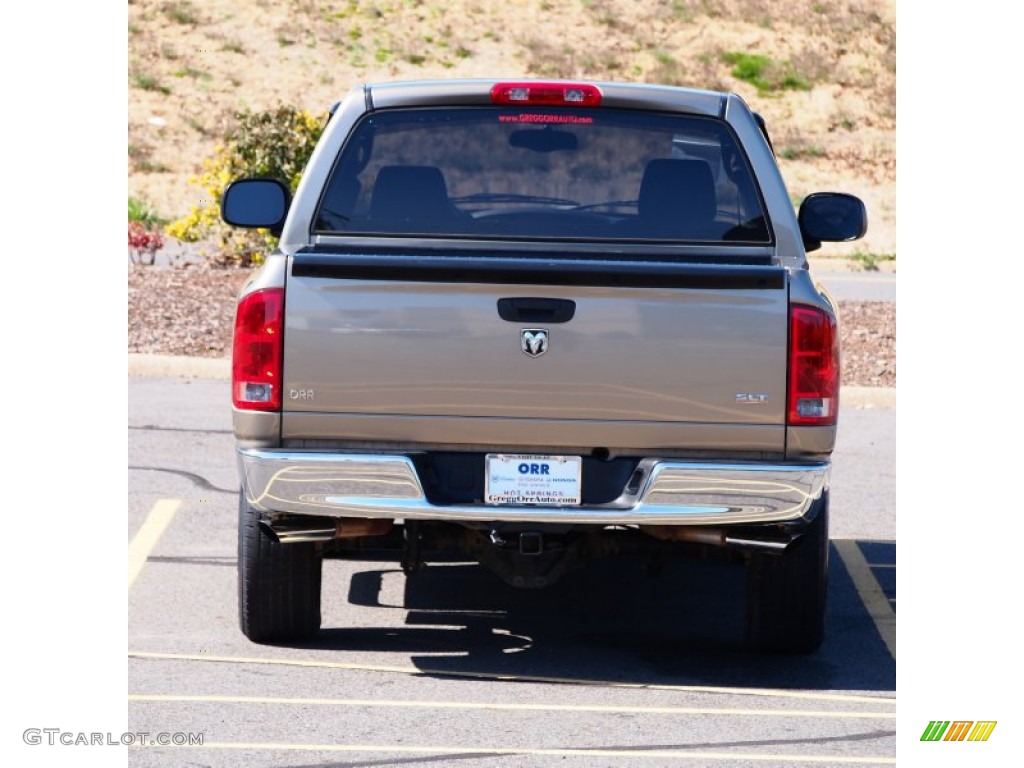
{"x":615,"y":665}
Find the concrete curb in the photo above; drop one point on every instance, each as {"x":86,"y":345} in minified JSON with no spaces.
{"x":839,"y":264}
{"x":185,"y":367}
{"x":868,"y":397}
{"x":220,"y":368}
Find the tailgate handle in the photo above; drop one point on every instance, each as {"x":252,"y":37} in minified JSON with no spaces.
{"x":536,"y":310}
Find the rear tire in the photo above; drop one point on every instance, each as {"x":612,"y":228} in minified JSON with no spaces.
{"x":278,"y":584}
{"x":786,"y":593}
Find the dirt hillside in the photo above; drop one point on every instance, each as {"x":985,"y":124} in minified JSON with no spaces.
{"x":823,"y":73}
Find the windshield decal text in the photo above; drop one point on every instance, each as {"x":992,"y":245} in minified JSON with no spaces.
{"x":534,"y":118}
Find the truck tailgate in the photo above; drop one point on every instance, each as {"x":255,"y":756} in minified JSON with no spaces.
{"x":689,"y":344}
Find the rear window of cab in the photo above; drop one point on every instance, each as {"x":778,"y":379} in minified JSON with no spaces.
{"x":528,"y":172}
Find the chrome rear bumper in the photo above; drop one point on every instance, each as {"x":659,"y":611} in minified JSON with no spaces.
{"x":671,"y":492}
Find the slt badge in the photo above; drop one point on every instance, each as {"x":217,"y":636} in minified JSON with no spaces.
{"x":534,"y":341}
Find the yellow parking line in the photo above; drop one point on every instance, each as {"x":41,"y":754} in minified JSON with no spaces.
{"x":411,"y":670}
{"x":149,"y":534}
{"x":485,"y":705}
{"x":641,"y":753}
{"x":874,"y":599}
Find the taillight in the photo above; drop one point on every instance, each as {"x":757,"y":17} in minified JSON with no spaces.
{"x":546,"y":94}
{"x":813,"y":397}
{"x":257,"y":349}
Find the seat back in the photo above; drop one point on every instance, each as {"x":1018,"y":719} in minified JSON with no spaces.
{"x":409,"y":192}
{"x":677,"y":196}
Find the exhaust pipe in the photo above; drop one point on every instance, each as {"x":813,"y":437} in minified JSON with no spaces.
{"x":715,"y":537}
{"x":295,"y":530}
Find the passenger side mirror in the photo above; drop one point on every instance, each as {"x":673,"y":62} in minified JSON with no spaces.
{"x":831,"y":217}
{"x":256,"y":203}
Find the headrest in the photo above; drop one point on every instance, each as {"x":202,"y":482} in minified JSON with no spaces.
{"x":677,"y":192}
{"x":409,"y":192}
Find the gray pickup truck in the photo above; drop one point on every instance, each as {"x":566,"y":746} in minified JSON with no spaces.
{"x":537,"y":322}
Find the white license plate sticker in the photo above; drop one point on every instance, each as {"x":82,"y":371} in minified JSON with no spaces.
{"x":548,"y":480}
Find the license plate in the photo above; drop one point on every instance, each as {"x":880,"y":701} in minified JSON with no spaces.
{"x":551,"y":480}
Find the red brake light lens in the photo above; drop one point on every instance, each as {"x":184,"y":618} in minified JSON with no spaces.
{"x":813,"y":398}
{"x":257,"y":351}
{"x":546,"y":94}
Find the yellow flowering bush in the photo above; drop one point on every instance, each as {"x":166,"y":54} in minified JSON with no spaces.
{"x":275,"y":143}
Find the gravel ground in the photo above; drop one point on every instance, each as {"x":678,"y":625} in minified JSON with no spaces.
{"x":189,"y":311}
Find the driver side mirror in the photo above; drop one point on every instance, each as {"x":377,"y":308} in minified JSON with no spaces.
{"x":256,"y":203}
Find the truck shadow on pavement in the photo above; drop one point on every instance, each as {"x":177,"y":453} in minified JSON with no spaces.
{"x":614,"y":621}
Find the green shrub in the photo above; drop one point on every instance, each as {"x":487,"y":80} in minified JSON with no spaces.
{"x":765,"y":73}
{"x":181,"y":13}
{"x":869,"y":260}
{"x":148,"y":82}
{"x":796,"y":152}
{"x":274,"y":143}
{"x":139,"y":210}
